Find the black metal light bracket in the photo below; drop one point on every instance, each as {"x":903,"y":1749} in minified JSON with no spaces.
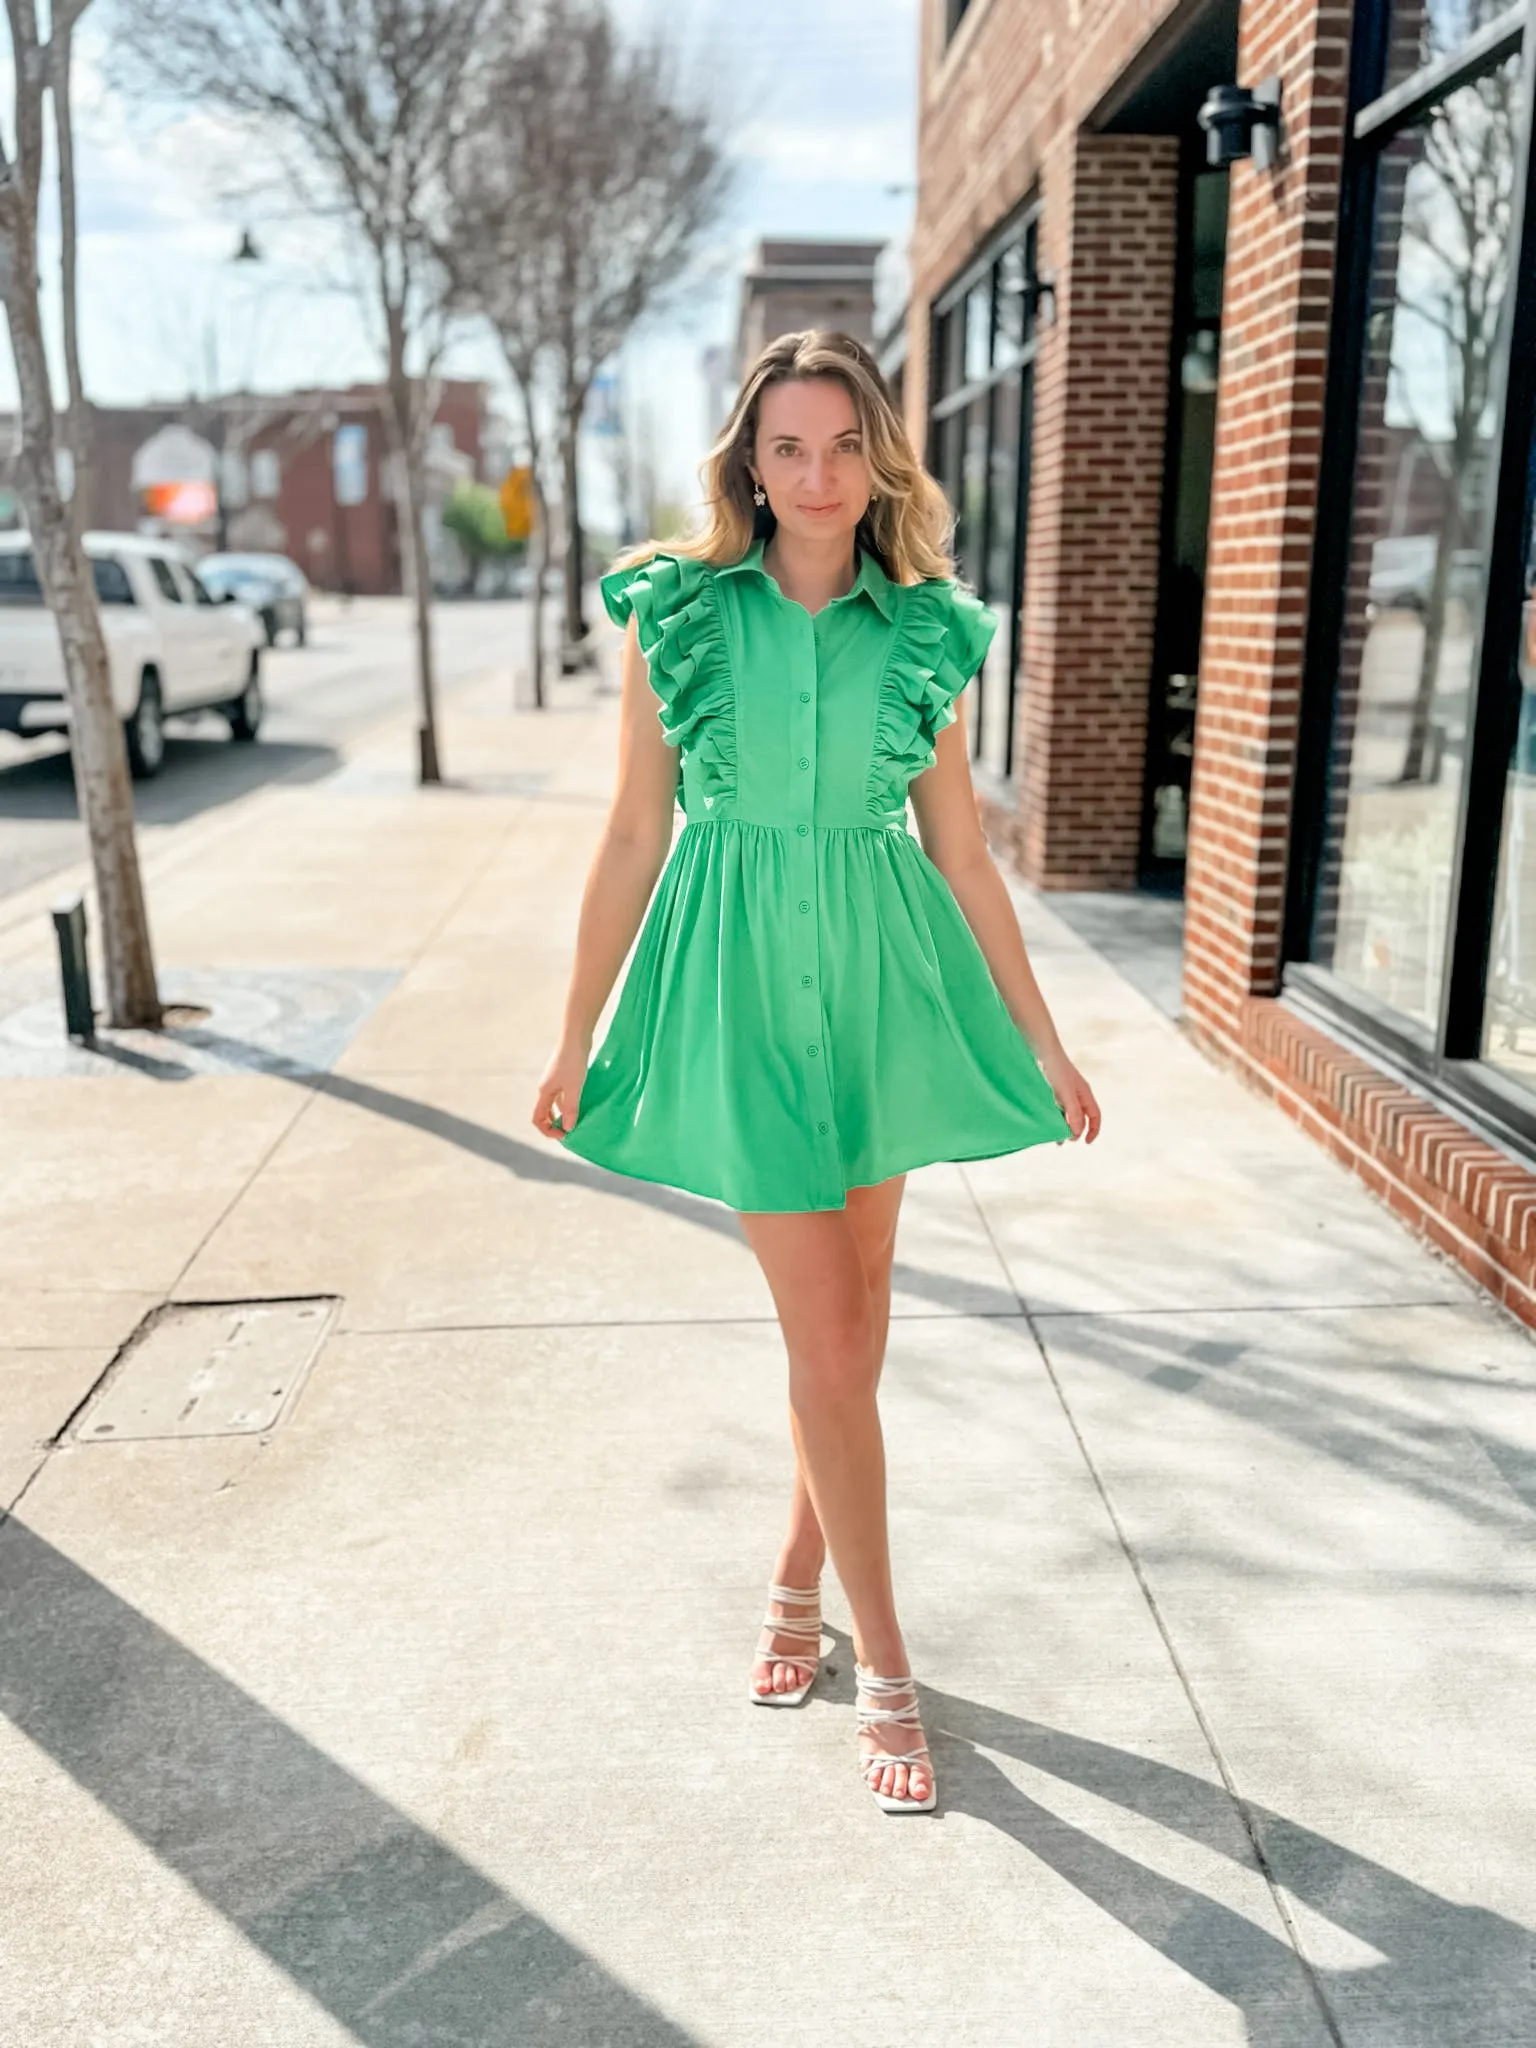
{"x":1241,"y":121}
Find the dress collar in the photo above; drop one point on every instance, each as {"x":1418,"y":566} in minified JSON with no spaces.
{"x":871,"y":579}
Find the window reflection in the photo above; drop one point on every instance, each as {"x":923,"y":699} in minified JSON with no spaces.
{"x":1425,"y":30}
{"x":983,"y":345}
{"x":1414,"y":589}
{"x":978,"y":332}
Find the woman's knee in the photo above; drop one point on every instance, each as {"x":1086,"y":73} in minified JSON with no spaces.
{"x":836,"y":1363}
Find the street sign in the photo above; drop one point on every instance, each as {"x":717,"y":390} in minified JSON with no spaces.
{"x":518,"y":505}
{"x":603,"y":413}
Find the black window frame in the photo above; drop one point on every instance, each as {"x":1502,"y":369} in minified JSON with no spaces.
{"x":947,"y":351}
{"x":1447,"y":1064}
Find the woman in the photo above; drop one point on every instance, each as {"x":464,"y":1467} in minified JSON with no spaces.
{"x":815,"y":1005}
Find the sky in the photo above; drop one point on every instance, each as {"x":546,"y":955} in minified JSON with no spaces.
{"x":824,"y":98}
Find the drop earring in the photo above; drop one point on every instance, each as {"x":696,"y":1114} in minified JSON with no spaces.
{"x":759,"y":495}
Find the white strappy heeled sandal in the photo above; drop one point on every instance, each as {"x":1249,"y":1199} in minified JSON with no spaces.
{"x":804,"y":1631}
{"x":890,"y":1701}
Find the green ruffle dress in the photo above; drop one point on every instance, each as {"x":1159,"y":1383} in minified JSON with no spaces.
{"x":806,"y":1009}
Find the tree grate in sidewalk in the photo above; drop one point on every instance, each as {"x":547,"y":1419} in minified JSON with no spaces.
{"x":208,"y":1368}
{"x":289,"y":1022}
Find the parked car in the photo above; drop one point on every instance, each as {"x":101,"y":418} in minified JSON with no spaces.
{"x":274,"y":588}
{"x":171,"y":646}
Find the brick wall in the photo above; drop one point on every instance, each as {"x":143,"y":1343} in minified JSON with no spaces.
{"x":1280,"y":244}
{"x":1101,"y":397}
{"x":1003,"y":113}
{"x":1449,"y":1186}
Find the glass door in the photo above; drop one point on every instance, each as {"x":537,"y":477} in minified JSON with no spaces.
{"x":1201,"y":264}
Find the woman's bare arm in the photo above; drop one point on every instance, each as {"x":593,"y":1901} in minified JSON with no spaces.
{"x":630,"y":855}
{"x":950,"y":828}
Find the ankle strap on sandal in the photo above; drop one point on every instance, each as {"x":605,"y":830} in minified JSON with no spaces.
{"x":807,"y":1596}
{"x":806,"y":1627}
{"x":882,"y":1695}
{"x":877,"y":1707}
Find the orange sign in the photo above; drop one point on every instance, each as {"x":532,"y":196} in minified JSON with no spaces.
{"x":181,"y":504}
{"x":517,"y":502}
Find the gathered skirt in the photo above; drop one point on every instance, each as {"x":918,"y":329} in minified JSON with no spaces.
{"x":741,"y":1066}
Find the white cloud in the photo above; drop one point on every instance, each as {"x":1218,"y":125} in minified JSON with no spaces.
{"x":866,"y":153}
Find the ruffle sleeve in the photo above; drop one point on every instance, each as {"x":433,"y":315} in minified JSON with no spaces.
{"x":673,"y":598}
{"x":940,"y":642}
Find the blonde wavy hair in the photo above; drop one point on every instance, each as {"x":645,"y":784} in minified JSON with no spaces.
{"x":908,"y":526}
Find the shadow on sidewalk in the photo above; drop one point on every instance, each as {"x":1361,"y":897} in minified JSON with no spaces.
{"x":375,"y":1919}
{"x":531,"y":1162}
{"x":402,"y":1941}
{"x":1386,"y":1431}
{"x":1447,"y":1973}
{"x":1486,"y":1478}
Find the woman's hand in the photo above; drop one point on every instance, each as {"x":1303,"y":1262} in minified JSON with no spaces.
{"x":559,"y":1098}
{"x":1073,"y":1094}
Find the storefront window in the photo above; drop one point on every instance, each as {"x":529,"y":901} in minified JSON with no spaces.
{"x":982,"y":351}
{"x":1425,"y":442}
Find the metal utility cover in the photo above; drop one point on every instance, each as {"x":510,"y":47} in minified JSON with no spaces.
{"x":224,"y":1368}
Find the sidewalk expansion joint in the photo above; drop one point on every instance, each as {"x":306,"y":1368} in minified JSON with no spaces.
{"x":1207,"y":1731}
{"x":1202,"y":1721}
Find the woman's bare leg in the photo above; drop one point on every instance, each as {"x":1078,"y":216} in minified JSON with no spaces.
{"x":872,"y":1215}
{"x":814,"y":1265}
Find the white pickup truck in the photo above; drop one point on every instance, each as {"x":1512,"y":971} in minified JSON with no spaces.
{"x":173,"y":647}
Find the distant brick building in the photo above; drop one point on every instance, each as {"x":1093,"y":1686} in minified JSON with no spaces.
{"x":805,"y":282}
{"x":1243,"y":456}
{"x":272,"y":463}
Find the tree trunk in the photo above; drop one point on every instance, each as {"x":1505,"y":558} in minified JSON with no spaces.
{"x":575,"y":624}
{"x":1434,"y":631}
{"x":540,"y":552}
{"x":410,"y":439}
{"x":77,"y":432}
{"x":538,"y":541}
{"x":97,"y":752}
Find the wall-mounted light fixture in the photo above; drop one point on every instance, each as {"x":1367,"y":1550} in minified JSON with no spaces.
{"x":1241,"y":121}
{"x":1041,"y":293}
{"x":1198,"y":365}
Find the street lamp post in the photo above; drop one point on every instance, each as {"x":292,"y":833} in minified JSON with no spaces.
{"x":246,"y":251}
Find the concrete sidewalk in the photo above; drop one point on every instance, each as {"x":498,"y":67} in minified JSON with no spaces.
{"x":417,"y":1713}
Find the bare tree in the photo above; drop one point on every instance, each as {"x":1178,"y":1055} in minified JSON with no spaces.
{"x":500,"y":240}
{"x":99,"y":756}
{"x":594,"y":189}
{"x":364,"y":104}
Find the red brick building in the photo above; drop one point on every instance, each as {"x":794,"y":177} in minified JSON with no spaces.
{"x":304,"y":474}
{"x":1242,"y":452}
